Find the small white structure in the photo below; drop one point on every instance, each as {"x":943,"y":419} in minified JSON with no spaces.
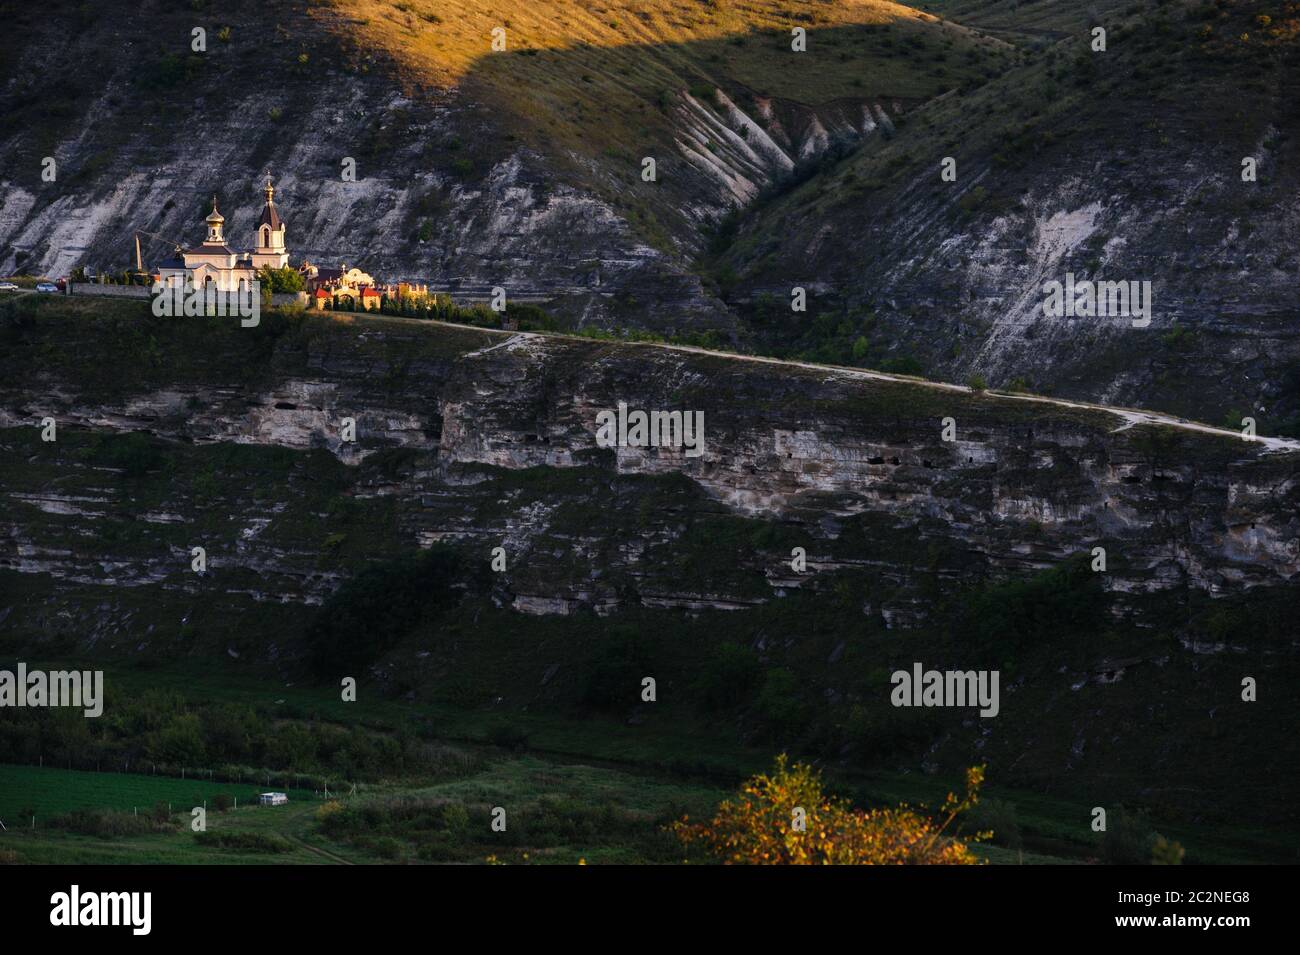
{"x":272,"y":799}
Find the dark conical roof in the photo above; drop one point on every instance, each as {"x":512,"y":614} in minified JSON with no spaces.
{"x":269,"y":215}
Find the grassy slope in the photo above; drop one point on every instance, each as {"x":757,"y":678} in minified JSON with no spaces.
{"x":646,"y":45}
{"x":589,"y":86}
{"x":575,"y":769}
{"x":1018,"y":20}
{"x":1169,"y":92}
{"x":1048,"y":100}
{"x":52,"y":790}
{"x":464,"y":668}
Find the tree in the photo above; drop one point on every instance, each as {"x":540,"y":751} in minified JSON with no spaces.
{"x":279,"y":281}
{"x":786,"y":819}
{"x":1129,"y":838}
{"x":179,"y":742}
{"x":369,"y":614}
{"x":1165,"y":852}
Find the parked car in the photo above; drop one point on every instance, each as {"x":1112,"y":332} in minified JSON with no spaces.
{"x":8,"y":287}
{"x":46,"y":287}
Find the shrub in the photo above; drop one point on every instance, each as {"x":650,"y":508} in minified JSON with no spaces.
{"x":374,"y":610}
{"x":111,"y":823}
{"x":757,"y":828}
{"x":327,"y":811}
{"x":285,"y":280}
{"x":508,"y":737}
{"x":1129,"y":838}
{"x":135,"y":453}
{"x":884,"y":732}
{"x":902,"y":365}
{"x":180,"y":741}
{"x":614,"y":676}
{"x":1007,"y":618}
{"x":973,"y":200}
{"x":998,"y":818}
{"x":1164,"y":852}
{"x":244,"y":841}
{"x":455,"y":818}
{"x":779,"y":705}
{"x":728,"y":677}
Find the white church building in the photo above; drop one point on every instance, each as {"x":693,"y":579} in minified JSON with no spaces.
{"x":214,"y":264}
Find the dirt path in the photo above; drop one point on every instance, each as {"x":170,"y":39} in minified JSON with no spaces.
{"x":315,"y":850}
{"x":1129,"y":416}
{"x":302,"y":818}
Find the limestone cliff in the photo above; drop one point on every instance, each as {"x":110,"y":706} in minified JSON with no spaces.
{"x":1024,"y":484}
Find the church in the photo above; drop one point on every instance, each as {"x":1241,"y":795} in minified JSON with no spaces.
{"x":213,"y":263}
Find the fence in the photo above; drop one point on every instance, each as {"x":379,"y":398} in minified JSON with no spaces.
{"x":144,"y":292}
{"x":110,"y":291}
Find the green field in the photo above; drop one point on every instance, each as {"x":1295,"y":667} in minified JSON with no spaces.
{"x":556,"y":815}
{"x":539,"y":793}
{"x":481,"y":708}
{"x":49,"y":790}
{"x":593,"y":789}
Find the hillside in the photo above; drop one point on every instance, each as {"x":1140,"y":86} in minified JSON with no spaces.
{"x":712,"y":91}
{"x":1124,"y":165}
{"x":1035,"y":22}
{"x":474,"y":169}
{"x":968,"y":554}
{"x":522,"y":168}
{"x":422,"y":568}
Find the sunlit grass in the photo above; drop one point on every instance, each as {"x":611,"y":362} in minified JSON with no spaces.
{"x":449,"y":39}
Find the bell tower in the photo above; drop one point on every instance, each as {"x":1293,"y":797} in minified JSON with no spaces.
{"x":268,"y":249}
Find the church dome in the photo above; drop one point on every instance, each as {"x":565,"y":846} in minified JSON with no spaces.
{"x":214,"y":215}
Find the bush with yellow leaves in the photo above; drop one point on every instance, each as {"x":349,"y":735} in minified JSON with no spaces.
{"x":328,"y":809}
{"x":785,"y":819}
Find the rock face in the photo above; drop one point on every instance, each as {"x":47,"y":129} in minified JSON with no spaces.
{"x":742,"y":153}
{"x":426,"y":183}
{"x":1066,"y":167}
{"x":141,"y":143}
{"x":176,"y":434}
{"x":1060,"y":169}
{"x":853,"y":466}
{"x":1021,"y":484}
